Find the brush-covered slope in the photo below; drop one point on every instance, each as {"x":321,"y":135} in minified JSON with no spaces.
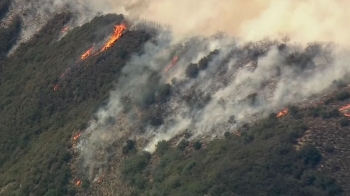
{"x":36,"y":122}
{"x":49,"y":94}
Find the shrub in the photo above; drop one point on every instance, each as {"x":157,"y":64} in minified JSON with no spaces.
{"x":192,"y":70}
{"x":130,"y":145}
{"x":197,"y":145}
{"x":341,"y":96}
{"x":310,"y":155}
{"x":344,"y":122}
{"x":162,"y":147}
{"x":182,"y":145}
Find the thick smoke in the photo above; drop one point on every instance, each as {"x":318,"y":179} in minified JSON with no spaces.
{"x":36,"y":13}
{"x":301,"y":20}
{"x":217,"y":85}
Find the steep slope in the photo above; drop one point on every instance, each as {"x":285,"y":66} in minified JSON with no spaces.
{"x":36,"y":121}
{"x":71,"y":125}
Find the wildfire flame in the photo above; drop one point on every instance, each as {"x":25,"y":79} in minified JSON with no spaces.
{"x":100,"y":179}
{"x":78,"y":183}
{"x":344,"y":110}
{"x":118,"y":32}
{"x":76,"y":137}
{"x":65,"y":29}
{"x":282,"y":113}
{"x":87,"y":54}
{"x":172,"y":63}
{"x":55,"y":88}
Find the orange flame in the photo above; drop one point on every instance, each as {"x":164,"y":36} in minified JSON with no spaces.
{"x":172,"y":63}
{"x":282,"y":113}
{"x":65,"y":29}
{"x":118,"y":32}
{"x":55,"y":88}
{"x":78,"y":183}
{"x":344,"y":109}
{"x":238,"y":134}
{"x":76,"y":137}
{"x":100,"y":179}
{"x":87,"y":54}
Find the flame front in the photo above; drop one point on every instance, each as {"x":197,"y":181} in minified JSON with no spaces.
{"x":76,"y":137}
{"x":55,"y":88}
{"x":172,"y":63}
{"x":87,"y":54}
{"x":78,"y":183}
{"x":345,"y":109}
{"x":65,"y":29}
{"x":282,"y":113}
{"x":118,"y":32}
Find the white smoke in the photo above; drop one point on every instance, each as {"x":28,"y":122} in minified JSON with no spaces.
{"x":36,"y":13}
{"x":242,"y":87}
{"x":231,"y":78}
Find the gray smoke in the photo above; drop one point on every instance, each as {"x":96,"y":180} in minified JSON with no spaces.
{"x":242,"y":82}
{"x":36,"y":13}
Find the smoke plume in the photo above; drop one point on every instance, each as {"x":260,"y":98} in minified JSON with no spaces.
{"x":301,"y":20}
{"x":217,"y":82}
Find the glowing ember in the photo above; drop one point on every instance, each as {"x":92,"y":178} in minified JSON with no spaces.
{"x":172,"y":63}
{"x":65,"y":29}
{"x":100,"y":179}
{"x":282,"y":113}
{"x":118,"y":32}
{"x":78,"y":183}
{"x":55,"y":88}
{"x":87,"y":54}
{"x":76,"y":137}
{"x":344,"y":110}
{"x":238,"y":134}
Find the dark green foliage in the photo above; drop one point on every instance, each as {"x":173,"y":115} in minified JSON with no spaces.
{"x":330,"y":114}
{"x":192,"y":70}
{"x":344,"y":122}
{"x":339,"y":84}
{"x":53,"y":192}
{"x":162,"y":147}
{"x":4,"y":7}
{"x":85,"y":184}
{"x":133,"y":166}
{"x":329,"y":100}
{"x":8,"y":36}
{"x":129,"y":146}
{"x":294,"y":112}
{"x":267,"y":165}
{"x":227,"y":135}
{"x":37,"y":122}
{"x":310,"y":155}
{"x":197,"y":145}
{"x":343,"y":95}
{"x":182,"y":145}
{"x":163,"y":93}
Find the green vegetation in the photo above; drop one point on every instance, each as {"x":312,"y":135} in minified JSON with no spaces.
{"x":263,"y":161}
{"x":37,"y":122}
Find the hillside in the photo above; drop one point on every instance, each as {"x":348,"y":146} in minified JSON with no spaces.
{"x":96,"y":111}
{"x":36,"y":121}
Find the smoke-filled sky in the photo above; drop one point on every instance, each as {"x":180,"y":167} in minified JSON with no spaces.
{"x":302,"y":20}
